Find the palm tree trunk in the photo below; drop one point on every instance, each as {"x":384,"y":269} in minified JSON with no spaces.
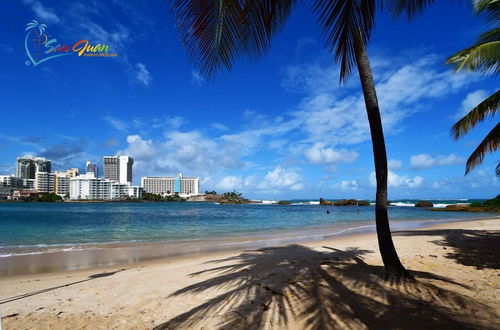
{"x":393,"y":267}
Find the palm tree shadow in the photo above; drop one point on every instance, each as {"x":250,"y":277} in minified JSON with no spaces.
{"x":476,"y":248}
{"x":297,"y":286}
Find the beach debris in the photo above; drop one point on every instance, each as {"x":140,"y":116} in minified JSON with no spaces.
{"x":10,"y":315}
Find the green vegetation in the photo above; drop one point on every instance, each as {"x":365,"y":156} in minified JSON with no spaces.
{"x":233,"y":197}
{"x":213,"y":192}
{"x":493,"y":203}
{"x":49,"y":197}
{"x":158,"y":198}
{"x":483,"y":57}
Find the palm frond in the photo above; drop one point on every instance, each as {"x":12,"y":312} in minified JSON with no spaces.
{"x":261,"y":20}
{"x":412,"y":7}
{"x":489,"y":107}
{"x":491,"y":7}
{"x":216,"y":32}
{"x":211,"y":32}
{"x":489,"y":36}
{"x":490,"y":143}
{"x":484,"y":57}
{"x":344,"y":22}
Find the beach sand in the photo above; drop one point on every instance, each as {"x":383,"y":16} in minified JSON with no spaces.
{"x":330,"y":284}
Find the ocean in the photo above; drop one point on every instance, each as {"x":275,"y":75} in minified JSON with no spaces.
{"x":28,"y":229}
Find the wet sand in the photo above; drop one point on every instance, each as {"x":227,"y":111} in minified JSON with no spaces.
{"x":333,"y":283}
{"x":73,"y":257}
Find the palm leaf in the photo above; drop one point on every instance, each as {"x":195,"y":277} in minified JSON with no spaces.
{"x":412,"y":7}
{"x":488,"y":107}
{"x":489,"y":36}
{"x":483,"y":57}
{"x":211,"y":32}
{"x":216,"y":32}
{"x":490,"y":143}
{"x":345,"y":22}
{"x":261,"y":20}
{"x":491,"y":7}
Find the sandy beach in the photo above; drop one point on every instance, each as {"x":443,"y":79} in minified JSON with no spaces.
{"x":329,"y":284}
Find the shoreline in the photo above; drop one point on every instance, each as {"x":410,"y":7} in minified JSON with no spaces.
{"x":98,"y":255}
{"x":455,"y":263}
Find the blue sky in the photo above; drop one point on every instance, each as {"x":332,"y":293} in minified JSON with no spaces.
{"x":277,"y":127}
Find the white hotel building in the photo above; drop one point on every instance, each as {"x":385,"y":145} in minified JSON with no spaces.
{"x":88,"y":187}
{"x":184,"y":187}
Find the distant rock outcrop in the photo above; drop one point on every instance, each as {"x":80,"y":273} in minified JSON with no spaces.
{"x":424,"y":204}
{"x":345,"y":202}
{"x":323,"y":201}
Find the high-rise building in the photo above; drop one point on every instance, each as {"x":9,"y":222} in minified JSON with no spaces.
{"x":184,"y":187}
{"x":87,"y":186}
{"x":125,"y":171}
{"x":44,"y":182}
{"x":91,"y":168}
{"x":111,"y":167}
{"x":61,"y":183}
{"x":71,"y":173}
{"x":118,"y":168}
{"x":27,"y":166}
{"x":11,"y":181}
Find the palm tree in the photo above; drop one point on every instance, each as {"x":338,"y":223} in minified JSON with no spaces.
{"x":484,"y":57}
{"x":216,"y":32}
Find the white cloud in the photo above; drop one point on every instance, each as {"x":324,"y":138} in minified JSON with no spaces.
{"x":230,"y":183}
{"x":219,"y":126}
{"x":424,"y":161}
{"x":196,"y":78}
{"x":318,"y":154}
{"x":471,"y":100}
{"x":394,"y":164}
{"x":349,"y":185}
{"x":329,"y":114}
{"x":281,"y":178}
{"x":45,"y":14}
{"x":140,"y":148}
{"x":116,"y":123}
{"x":142,"y":74}
{"x":395,"y":180}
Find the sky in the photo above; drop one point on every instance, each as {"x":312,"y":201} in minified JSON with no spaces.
{"x":276,"y":127}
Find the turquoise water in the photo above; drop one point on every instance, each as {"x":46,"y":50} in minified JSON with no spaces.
{"x":26,"y":227}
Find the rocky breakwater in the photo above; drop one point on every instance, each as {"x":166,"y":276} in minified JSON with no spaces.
{"x":344,"y":202}
{"x":424,"y":204}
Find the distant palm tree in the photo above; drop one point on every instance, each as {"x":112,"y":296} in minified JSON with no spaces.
{"x":216,"y":32}
{"x":484,"y":57}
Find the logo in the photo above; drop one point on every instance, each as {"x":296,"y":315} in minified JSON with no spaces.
{"x":40,"y":47}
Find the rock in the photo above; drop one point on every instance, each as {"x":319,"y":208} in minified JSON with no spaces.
{"x":285,"y":203}
{"x":457,"y":207}
{"x":363,"y":203}
{"x":345,"y":202}
{"x":424,"y":204}
{"x":324,"y":202}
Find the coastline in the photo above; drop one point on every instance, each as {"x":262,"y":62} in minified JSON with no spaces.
{"x":146,"y":294}
{"x":68,"y":257}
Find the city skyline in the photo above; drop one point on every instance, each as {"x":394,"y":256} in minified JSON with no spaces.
{"x":294,"y":134}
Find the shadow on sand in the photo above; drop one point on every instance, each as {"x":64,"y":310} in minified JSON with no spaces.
{"x":297,"y":287}
{"x":477,"y":248}
{"x":33,"y":293}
